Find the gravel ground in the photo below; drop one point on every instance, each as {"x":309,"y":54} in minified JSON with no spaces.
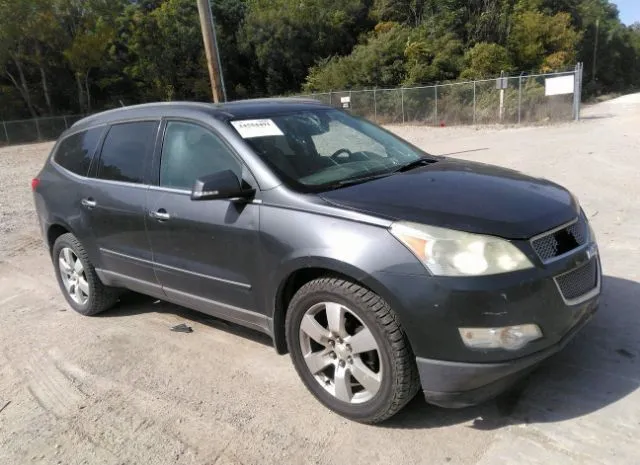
{"x":120,"y":388}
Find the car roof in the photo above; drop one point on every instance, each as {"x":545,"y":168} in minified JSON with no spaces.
{"x":240,"y":109}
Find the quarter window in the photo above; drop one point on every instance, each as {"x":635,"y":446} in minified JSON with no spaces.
{"x":125,"y":151}
{"x":76,"y":151}
{"x":191,"y":151}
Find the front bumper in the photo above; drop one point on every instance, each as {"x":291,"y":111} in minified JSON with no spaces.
{"x":457,"y":384}
{"x":559,"y":296}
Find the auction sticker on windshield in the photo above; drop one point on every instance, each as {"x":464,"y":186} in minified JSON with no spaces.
{"x":249,"y":128}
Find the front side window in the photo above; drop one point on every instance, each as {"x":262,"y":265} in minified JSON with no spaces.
{"x":76,"y":151}
{"x":314,"y":150}
{"x":191,"y":151}
{"x":125,"y":150}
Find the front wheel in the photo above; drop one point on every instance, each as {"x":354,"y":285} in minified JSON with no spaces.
{"x":350,"y":351}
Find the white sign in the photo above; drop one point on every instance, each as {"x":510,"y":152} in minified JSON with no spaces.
{"x":249,"y":128}
{"x":559,"y":85}
{"x":345,"y":99}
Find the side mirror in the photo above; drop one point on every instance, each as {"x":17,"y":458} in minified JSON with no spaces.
{"x":221,"y":185}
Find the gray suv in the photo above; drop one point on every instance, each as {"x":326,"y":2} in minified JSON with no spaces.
{"x":381,"y":269}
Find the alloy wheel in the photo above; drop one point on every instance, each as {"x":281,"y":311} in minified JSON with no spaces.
{"x":73,"y":276}
{"x":341,"y":352}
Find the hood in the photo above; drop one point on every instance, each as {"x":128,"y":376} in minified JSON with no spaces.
{"x":466,"y":196}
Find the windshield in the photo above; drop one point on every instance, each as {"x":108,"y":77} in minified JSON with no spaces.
{"x":314,"y":150}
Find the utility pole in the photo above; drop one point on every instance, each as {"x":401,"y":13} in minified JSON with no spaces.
{"x":210,"y":48}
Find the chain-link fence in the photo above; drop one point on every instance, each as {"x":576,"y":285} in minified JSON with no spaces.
{"x":34,"y":130}
{"x":527,"y":98}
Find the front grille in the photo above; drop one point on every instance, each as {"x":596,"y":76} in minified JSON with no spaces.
{"x":563,"y":240}
{"x":578,"y":282}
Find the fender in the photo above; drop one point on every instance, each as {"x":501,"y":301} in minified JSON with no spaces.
{"x":74,"y":224}
{"x":278,"y":282}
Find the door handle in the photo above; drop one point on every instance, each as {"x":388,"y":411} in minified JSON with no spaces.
{"x":89,"y":202}
{"x":160,"y":214}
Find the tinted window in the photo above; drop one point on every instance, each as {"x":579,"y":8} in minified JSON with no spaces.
{"x":125,"y":150}
{"x":75,"y":152}
{"x":190,"y":151}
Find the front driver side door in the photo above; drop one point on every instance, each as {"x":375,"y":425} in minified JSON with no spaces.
{"x":205,"y":252}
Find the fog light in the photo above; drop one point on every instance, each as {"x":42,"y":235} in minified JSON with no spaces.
{"x":508,"y":338}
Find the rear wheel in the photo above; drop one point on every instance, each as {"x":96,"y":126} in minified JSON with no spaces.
{"x":349,"y":349}
{"x":77,"y":278}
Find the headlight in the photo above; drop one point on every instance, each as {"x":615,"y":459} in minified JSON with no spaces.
{"x":446,"y":252}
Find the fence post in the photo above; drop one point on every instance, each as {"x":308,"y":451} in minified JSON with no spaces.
{"x":402,"y":101}
{"x":576,"y":84}
{"x":330,"y":102}
{"x":520,"y":98}
{"x":474,"y":102}
{"x":66,"y":125}
{"x":577,"y":97}
{"x":38,"y":128}
{"x":580,"y":88}
{"x":350,"y":102}
{"x":375,"y":107}
{"x":435,"y":115}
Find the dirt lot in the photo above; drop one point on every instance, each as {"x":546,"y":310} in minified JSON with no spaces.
{"x":122,"y":389}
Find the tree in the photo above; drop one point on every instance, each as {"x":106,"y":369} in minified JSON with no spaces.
{"x":165,"y":52}
{"x":486,"y":60}
{"x":535,"y":36}
{"x":409,"y":12}
{"x":378,"y":61}
{"x":85,"y":53}
{"x":89,"y":33}
{"x":478,"y":21}
{"x":432,"y":55}
{"x":237,"y":66}
{"x":14,"y":46}
{"x":99,"y":53}
{"x":287,"y":37}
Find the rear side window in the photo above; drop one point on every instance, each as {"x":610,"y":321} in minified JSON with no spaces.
{"x":125,"y":151}
{"x":76,"y":151}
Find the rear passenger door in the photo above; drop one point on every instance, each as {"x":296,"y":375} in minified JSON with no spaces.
{"x":116,"y":204}
{"x":63,"y":187}
{"x":205,"y":252}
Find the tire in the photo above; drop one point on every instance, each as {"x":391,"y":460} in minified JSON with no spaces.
{"x":390,"y":375}
{"x":97,"y":297}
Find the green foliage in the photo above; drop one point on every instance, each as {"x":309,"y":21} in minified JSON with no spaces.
{"x":165,"y":51}
{"x":535,"y":36}
{"x":486,"y":60}
{"x":432,"y":57}
{"x":88,"y":49}
{"x":378,"y":61}
{"x":78,"y":56}
{"x":287,"y":37}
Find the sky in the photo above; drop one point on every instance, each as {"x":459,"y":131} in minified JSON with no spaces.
{"x":629,"y":10}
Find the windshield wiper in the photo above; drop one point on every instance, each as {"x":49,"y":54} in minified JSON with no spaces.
{"x":359,"y":180}
{"x":415,"y":164}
